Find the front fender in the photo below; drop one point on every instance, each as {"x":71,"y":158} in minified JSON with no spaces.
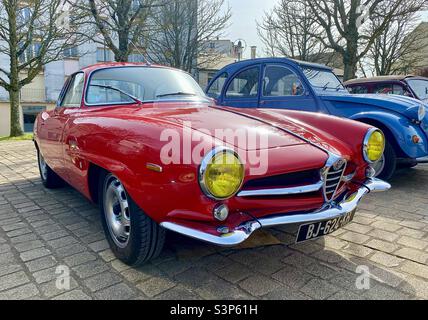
{"x":400,"y":128}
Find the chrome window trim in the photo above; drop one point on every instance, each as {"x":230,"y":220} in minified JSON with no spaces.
{"x":203,"y":167}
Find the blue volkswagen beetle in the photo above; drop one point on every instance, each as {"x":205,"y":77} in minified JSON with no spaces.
{"x":290,"y":84}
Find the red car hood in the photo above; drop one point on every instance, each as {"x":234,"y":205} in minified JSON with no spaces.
{"x":281,"y":131}
{"x":205,"y":118}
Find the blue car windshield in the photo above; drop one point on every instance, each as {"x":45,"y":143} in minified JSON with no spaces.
{"x":322,"y":79}
{"x":420,"y":87}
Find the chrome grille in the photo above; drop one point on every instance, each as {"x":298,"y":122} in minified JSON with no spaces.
{"x":332,"y":178}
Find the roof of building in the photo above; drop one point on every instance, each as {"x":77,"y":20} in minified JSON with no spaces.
{"x":382,"y":78}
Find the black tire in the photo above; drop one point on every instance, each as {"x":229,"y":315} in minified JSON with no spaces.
{"x":49,"y":178}
{"x":390,"y":163}
{"x":146,"y":238}
{"x":407,"y":165}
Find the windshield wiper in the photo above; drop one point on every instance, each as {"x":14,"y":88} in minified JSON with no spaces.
{"x":338,"y":87}
{"x":326,"y":86}
{"x":176,"y":94}
{"x":118,"y":90}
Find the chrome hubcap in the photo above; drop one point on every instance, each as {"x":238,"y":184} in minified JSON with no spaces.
{"x":116,"y":210}
{"x":43,"y":167}
{"x":379,"y":166}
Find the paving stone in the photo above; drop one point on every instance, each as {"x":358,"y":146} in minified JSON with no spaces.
{"x":293,"y":277}
{"x":90,"y":269}
{"x":384,"y":235}
{"x":20,"y":293}
{"x":46,"y":275}
{"x":50,"y":289}
{"x":381,"y":245}
{"x":359,"y":228}
{"x":413,"y":243}
{"x":386,"y":260}
{"x":13,"y":280}
{"x":354,"y":237}
{"x":73,"y":295}
{"x":34,"y":254}
{"x":41,"y":263}
{"x":79,"y":258}
{"x":234,"y":272}
{"x":101,"y":281}
{"x":416,"y":269}
{"x":99,"y":245}
{"x":178,"y":293}
{"x":155,"y":286}
{"x":412,"y":254}
{"x":319,"y":289}
{"x":392,"y":227}
{"x":258,"y":285}
{"x":61,"y":242}
{"x":120,"y":291}
{"x":9,"y":268}
{"x":29,"y":245}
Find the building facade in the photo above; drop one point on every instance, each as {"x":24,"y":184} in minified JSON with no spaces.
{"x":41,"y":94}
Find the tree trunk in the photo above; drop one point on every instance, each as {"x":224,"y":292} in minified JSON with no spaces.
{"x":15,"y":123}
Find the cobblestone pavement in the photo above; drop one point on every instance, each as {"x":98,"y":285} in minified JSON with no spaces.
{"x":42,"y":229}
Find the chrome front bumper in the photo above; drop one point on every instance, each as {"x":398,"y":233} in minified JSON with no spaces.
{"x":244,"y":231}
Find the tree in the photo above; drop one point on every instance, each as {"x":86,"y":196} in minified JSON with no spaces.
{"x":116,"y":24}
{"x":399,"y":48}
{"x":348,"y":28}
{"x":183,"y":28}
{"x":31,"y":35}
{"x":289,"y":30}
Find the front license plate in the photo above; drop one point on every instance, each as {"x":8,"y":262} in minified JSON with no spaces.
{"x":319,"y":229}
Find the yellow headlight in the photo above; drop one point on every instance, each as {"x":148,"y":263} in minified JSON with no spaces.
{"x":222,"y":173}
{"x":374,"y":145}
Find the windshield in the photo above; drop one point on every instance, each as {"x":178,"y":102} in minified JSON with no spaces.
{"x":420,"y":88}
{"x":323,"y":79}
{"x":125,"y":85}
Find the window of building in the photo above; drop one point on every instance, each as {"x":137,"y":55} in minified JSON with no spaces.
{"x":71,"y":52}
{"x":30,"y":113}
{"x":30,"y":52}
{"x":136,"y":57}
{"x":104,"y":55}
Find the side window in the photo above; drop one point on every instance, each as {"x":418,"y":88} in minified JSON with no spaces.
{"x":245,"y":84}
{"x":358,"y":89}
{"x":217,"y":86}
{"x":73,"y":96}
{"x":384,"y":89}
{"x":280,"y":81}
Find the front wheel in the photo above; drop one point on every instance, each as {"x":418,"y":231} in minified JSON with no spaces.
{"x":386,"y":166}
{"x":133,"y":236}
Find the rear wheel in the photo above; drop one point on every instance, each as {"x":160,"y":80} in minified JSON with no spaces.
{"x":385,"y":167}
{"x":49,"y":178}
{"x":133,"y":236}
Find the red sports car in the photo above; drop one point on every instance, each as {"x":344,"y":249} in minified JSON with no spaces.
{"x":147,"y":145}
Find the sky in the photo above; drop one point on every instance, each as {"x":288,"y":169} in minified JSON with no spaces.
{"x":243,"y":22}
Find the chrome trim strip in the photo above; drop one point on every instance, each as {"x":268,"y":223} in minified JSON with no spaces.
{"x":244,"y":231}
{"x":282,"y":191}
